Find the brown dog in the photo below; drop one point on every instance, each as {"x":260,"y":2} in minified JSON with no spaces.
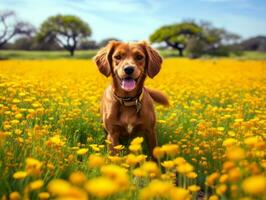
{"x":127,"y":106}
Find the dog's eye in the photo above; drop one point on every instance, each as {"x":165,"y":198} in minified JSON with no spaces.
{"x":118,"y":57}
{"x":139,"y":57}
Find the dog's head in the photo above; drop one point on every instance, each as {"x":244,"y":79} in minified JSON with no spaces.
{"x":128,"y":62}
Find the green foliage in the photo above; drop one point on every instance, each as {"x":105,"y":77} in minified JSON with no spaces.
{"x":176,"y":35}
{"x":66,"y":30}
{"x":196,"y":38}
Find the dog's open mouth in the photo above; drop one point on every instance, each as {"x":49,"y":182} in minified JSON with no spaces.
{"x":128,"y":84}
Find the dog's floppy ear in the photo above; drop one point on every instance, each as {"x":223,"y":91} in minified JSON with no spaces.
{"x":153,"y":60}
{"x":103,"y":58}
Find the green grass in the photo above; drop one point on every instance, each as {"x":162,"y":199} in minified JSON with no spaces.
{"x":87,"y":54}
{"x":253,"y":55}
{"x":41,"y":55}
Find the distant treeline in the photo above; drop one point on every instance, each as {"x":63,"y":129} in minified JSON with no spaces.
{"x":68,"y":32}
{"x":31,"y":43}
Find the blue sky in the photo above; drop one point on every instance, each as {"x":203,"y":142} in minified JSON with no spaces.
{"x":137,"y":19}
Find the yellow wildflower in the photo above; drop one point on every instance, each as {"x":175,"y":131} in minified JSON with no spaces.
{"x":101,"y":187}
{"x":221,"y":189}
{"x":156,"y":189}
{"x":82,"y":151}
{"x":14,"y":196}
{"x":35,"y":185}
{"x":170,"y":149}
{"x":180,"y":194}
{"x":193,"y":188}
{"x":77,"y":178}
{"x":117,"y":174}
{"x":20,"y":175}
{"x":95,"y":161}
{"x":235,"y":154}
{"x":255,"y":185}
{"x":158,"y":152}
{"x":44,"y":195}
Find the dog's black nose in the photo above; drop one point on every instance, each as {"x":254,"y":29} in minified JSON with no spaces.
{"x":129,"y":70}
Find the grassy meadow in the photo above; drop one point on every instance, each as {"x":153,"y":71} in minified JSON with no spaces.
{"x":85,"y":54}
{"x":211,"y":138}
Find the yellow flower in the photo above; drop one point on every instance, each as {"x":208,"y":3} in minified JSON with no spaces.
{"x":184,"y":168}
{"x":20,"y":175}
{"x":117,"y":174}
{"x":115,"y":159}
{"x":251,"y":141}
{"x":213,"y":197}
{"x":82,"y":151}
{"x":170,"y":149}
{"x":255,"y":185}
{"x":221,"y":189}
{"x":119,"y":147}
{"x":235,"y":154}
{"x":95,"y":147}
{"x":101,"y":187}
{"x":135,"y":148}
{"x":59,"y":187}
{"x":14,"y":196}
{"x":168,"y":164}
{"x":234,"y":174}
{"x":158,"y":152}
{"x":33,"y":166}
{"x":223,"y":178}
{"x":179,"y":161}
{"x":229,"y":142}
{"x":131,"y":159}
{"x":193,"y":188}
{"x":180,"y":194}
{"x":35,"y":185}
{"x":77,"y":178}
{"x":210,"y":181}
{"x":44,"y":195}
{"x":191,"y":175}
{"x":151,"y":169}
{"x":18,"y":116}
{"x":228,"y":165}
{"x":95,"y":161}
{"x":156,"y":189}
{"x":138,"y":172}
{"x":137,"y":140}
{"x":56,"y":141}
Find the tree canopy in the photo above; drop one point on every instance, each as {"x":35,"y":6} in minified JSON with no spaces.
{"x":176,"y":35}
{"x":66,"y":30}
{"x":196,"y":38}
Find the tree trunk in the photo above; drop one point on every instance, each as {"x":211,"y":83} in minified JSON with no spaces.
{"x":176,"y":46}
{"x":72,"y":52}
{"x":180,"y":50}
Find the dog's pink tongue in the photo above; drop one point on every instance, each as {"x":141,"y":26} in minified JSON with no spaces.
{"x":128,"y":84}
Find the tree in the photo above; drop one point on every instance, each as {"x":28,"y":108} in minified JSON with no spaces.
{"x":176,"y":36}
{"x":10,"y":27}
{"x":66,"y":30}
{"x":212,"y":40}
{"x":23,"y":43}
{"x":216,"y":37}
{"x":87,"y":44}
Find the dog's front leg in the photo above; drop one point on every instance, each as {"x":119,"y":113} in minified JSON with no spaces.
{"x":114,"y":141}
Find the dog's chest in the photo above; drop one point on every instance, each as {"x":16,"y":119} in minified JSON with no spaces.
{"x":129,"y":121}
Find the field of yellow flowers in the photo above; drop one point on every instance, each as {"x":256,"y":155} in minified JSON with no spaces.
{"x":211,"y":138}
